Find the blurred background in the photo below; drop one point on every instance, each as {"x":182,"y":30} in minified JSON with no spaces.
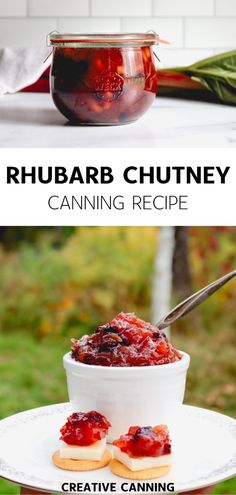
{"x":196,"y":29}
{"x":61,"y":282}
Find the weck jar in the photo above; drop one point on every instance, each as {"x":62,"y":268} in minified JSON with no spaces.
{"x":99,"y":79}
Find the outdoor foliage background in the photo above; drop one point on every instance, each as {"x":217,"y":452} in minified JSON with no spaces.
{"x":58,"y":283}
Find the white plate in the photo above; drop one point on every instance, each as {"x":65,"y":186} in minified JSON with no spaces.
{"x":204,"y":448}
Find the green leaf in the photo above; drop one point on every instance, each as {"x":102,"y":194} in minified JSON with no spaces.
{"x":217,"y":74}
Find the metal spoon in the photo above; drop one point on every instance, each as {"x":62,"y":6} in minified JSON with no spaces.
{"x":194,"y":300}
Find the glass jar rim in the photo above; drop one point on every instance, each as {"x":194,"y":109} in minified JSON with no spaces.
{"x":103,"y":39}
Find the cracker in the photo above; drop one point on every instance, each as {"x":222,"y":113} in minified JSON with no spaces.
{"x":80,"y":465}
{"x":146,"y":474}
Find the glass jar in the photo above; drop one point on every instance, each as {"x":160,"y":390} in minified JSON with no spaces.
{"x":103,"y":79}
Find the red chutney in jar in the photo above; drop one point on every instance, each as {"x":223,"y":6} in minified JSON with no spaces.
{"x":84,"y":428}
{"x":104,"y":85}
{"x":145,"y":442}
{"x":125,"y":341}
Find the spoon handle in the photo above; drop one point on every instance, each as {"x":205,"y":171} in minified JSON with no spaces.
{"x":194,"y":300}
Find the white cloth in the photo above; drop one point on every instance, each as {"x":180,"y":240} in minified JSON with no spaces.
{"x":21,"y":67}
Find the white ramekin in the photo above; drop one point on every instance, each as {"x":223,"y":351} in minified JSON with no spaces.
{"x":127,"y":396}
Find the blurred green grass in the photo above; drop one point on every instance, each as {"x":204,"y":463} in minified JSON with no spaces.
{"x":32,"y":376}
{"x":51,"y":289}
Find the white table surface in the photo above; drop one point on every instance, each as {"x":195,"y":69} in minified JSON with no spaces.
{"x":31,"y":120}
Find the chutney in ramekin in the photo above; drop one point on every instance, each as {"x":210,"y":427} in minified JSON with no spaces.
{"x":129,"y":371}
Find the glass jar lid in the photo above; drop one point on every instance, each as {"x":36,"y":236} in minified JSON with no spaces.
{"x":75,"y":40}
